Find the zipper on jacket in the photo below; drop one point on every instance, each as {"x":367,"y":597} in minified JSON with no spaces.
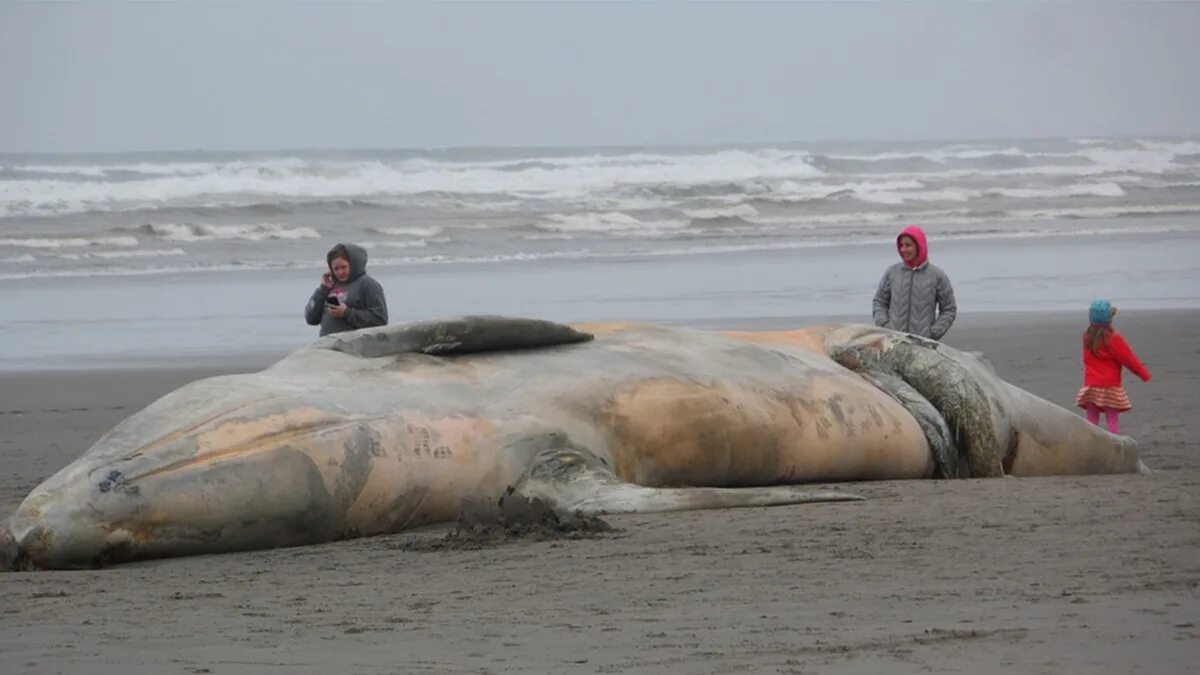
{"x":908,"y":323}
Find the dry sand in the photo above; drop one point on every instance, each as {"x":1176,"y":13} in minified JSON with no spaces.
{"x":1050,"y":575}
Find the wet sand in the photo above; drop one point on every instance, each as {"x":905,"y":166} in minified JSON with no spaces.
{"x":1048,"y":575}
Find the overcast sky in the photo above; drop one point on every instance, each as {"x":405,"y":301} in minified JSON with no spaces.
{"x":76,"y":77}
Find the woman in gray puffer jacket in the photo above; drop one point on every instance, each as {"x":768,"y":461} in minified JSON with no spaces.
{"x":914,"y":295}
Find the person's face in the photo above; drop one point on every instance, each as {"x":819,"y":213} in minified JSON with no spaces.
{"x":908,"y":249}
{"x":340,"y":268}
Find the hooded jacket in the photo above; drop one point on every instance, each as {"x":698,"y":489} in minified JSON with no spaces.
{"x":1103,"y":369}
{"x":915,"y":297}
{"x":362,"y":296}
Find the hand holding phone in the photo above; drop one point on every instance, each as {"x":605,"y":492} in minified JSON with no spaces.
{"x":335,"y":306}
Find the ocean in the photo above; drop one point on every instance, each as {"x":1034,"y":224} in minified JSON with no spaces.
{"x":153,"y":257}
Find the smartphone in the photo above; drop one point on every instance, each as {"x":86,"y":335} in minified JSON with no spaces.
{"x":332,"y":300}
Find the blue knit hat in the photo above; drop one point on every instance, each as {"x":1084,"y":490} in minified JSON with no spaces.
{"x":1100,"y":312}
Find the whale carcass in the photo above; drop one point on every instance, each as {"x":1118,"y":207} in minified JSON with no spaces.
{"x":385,"y":429}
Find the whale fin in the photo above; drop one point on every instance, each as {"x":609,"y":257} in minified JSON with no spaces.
{"x":444,"y":337}
{"x":573,"y":479}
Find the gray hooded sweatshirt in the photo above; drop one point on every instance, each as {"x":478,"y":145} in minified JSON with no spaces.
{"x":362,"y":296}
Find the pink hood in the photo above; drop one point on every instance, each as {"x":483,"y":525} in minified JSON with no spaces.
{"x":918,"y":235}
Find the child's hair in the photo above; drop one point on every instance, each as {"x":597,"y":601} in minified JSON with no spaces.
{"x":1096,"y":335}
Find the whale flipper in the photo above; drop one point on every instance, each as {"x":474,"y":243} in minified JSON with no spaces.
{"x":574,"y":479}
{"x":444,"y":337}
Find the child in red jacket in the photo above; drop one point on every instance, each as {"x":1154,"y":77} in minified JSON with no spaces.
{"x":1104,"y":354}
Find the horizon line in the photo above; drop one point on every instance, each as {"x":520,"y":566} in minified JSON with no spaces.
{"x":601,"y":146}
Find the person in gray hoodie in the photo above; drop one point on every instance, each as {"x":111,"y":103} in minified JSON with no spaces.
{"x":348,"y":298}
{"x":914,"y":295}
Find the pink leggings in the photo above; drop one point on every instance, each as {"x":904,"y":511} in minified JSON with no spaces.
{"x":1110,"y":417}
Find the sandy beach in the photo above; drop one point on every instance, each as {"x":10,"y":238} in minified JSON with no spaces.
{"x":1051,"y":575}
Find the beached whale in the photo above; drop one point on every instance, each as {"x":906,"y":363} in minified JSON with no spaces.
{"x":385,"y":429}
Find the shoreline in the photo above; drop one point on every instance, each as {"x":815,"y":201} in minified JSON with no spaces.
{"x":972,"y":327}
{"x":130,"y":321}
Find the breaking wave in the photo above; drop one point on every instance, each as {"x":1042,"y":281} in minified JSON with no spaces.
{"x":200,"y":232}
{"x":67,"y":242}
